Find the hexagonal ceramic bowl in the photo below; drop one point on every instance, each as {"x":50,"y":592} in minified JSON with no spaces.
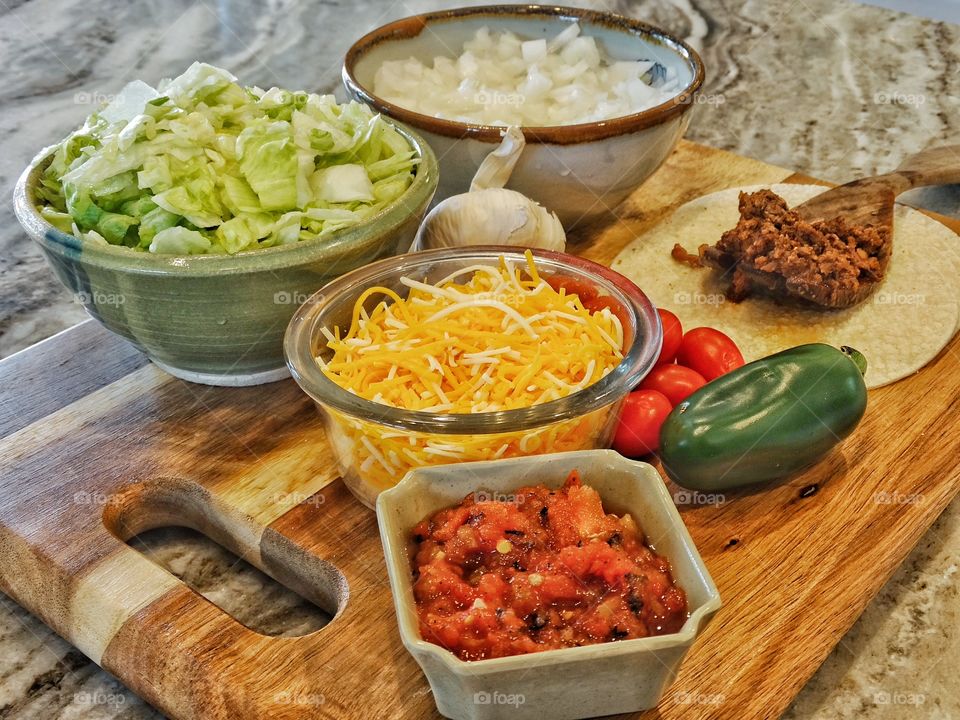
{"x":602,"y":679}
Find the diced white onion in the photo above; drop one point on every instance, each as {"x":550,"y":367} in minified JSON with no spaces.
{"x":502,"y":79}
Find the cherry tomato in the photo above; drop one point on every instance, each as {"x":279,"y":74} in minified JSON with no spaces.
{"x":589,"y":297}
{"x":596,"y":304}
{"x":709,"y":352}
{"x":638,"y":431}
{"x":600,"y":302}
{"x":584,"y":290}
{"x":675,"y":381}
{"x":672,"y":335}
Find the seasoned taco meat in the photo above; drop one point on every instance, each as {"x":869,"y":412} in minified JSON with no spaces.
{"x":771,"y":249}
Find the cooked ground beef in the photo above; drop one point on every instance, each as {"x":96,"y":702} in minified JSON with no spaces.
{"x":680,"y":254}
{"x":828,"y":263}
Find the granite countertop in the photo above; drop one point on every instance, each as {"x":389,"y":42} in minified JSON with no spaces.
{"x":830,"y":88}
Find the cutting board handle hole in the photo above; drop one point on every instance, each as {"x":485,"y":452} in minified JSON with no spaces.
{"x":254,"y":574}
{"x":248,"y":595}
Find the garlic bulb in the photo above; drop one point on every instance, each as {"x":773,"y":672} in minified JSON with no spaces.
{"x":496,"y":168}
{"x":489,"y":214}
{"x":492,"y":216}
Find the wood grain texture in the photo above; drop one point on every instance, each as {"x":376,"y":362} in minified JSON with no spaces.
{"x":136,"y":449}
{"x":98,"y":360}
{"x":869,"y":200}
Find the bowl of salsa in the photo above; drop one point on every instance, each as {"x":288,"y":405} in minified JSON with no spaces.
{"x":563,"y":585}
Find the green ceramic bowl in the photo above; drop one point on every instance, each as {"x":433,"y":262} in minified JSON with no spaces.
{"x":218,"y":319}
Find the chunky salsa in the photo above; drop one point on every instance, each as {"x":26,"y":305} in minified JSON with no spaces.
{"x":539,"y":569}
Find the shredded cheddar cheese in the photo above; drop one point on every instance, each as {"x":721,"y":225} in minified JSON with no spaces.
{"x":484,"y":339}
{"x":497,"y":340}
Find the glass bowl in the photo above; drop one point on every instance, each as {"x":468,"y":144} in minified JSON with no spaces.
{"x":375,"y":444}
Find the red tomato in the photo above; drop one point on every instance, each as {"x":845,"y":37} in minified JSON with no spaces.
{"x":672,"y":335}
{"x":582,"y":289}
{"x":638,"y":431}
{"x":600,"y":302}
{"x":589,"y":297}
{"x":709,"y":352}
{"x":596,"y":304}
{"x":675,"y":381}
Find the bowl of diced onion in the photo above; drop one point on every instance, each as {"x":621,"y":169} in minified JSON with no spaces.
{"x":602,"y":99}
{"x":467,"y":354}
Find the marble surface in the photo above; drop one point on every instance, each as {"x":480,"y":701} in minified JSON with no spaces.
{"x":831,"y":88}
{"x":947,"y":10}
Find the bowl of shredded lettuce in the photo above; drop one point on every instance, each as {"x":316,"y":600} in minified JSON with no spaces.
{"x":193,"y":218}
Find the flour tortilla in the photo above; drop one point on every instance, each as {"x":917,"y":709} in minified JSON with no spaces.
{"x":901,"y":327}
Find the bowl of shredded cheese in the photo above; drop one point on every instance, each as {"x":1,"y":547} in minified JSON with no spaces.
{"x":468,"y":354}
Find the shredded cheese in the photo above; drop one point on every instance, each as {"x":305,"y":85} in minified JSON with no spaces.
{"x":484,"y":339}
{"x":502,"y":325}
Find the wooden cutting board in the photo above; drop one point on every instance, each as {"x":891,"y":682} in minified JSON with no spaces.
{"x":98,"y":444}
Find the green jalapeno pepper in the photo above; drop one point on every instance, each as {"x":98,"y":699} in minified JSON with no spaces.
{"x":765,"y":420}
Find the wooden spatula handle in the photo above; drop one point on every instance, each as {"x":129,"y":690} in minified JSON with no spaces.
{"x":934,"y":166}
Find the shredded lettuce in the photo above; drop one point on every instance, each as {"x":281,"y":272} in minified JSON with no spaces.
{"x":203,"y":165}
{"x":179,"y":241}
{"x":342,"y":184}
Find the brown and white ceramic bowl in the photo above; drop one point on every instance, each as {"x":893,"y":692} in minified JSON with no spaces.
{"x":581,"y":171}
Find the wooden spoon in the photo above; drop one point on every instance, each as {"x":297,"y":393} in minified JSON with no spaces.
{"x":869,"y":200}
